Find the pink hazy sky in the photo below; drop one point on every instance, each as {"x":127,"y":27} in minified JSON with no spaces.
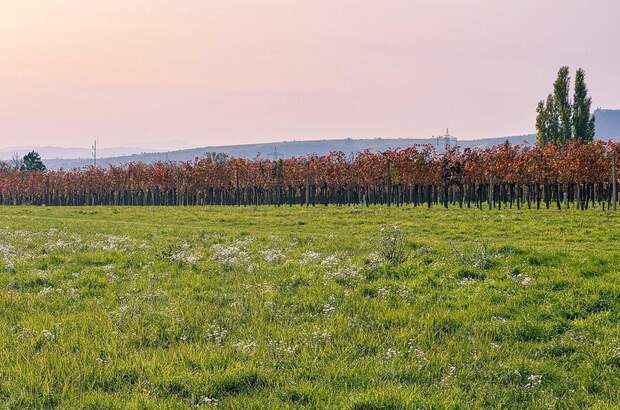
{"x":169,"y":73}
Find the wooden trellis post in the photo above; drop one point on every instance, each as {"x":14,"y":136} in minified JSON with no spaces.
{"x":389,"y":182}
{"x":490,"y":193}
{"x":614,"y":178}
{"x":307,"y":183}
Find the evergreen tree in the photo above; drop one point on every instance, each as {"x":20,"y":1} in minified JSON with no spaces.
{"x":217,"y":157}
{"x":32,"y":162}
{"x":583,"y":122}
{"x":561,"y":90}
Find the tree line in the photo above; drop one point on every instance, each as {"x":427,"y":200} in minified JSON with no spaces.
{"x":570,"y":175}
{"x":566,"y":168}
{"x":558,"y":119}
{"x":29,"y":162}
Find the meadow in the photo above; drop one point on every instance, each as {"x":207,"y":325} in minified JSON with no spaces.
{"x":265,"y":307}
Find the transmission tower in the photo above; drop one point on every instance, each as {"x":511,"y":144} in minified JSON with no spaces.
{"x":95,"y":153}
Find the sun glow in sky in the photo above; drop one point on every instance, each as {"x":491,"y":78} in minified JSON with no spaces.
{"x":168,"y":73}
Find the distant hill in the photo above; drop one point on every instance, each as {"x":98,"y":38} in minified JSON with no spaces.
{"x":607,"y":127}
{"x":607,"y":124}
{"x":59,"y":152}
{"x":285,"y":149}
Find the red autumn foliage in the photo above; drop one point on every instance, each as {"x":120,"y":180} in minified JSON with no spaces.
{"x":405,"y":175}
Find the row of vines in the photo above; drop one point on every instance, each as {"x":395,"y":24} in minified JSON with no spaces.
{"x":578,"y":175}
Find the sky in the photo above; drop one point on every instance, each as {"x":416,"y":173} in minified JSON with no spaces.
{"x":171,"y":74}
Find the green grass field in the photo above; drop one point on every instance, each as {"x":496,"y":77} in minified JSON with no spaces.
{"x":293,"y":307}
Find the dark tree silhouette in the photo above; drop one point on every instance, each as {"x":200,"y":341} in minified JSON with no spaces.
{"x":32,"y":162}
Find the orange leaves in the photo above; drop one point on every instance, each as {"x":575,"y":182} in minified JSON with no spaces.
{"x":572,"y":163}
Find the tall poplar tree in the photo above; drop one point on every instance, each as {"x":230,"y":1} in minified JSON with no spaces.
{"x":558,"y":120}
{"x":561,"y":90}
{"x":583,"y":128}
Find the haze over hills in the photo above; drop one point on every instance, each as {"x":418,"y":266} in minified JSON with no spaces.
{"x":285,"y":149}
{"x":607,"y":127}
{"x":607,"y":123}
{"x":63,"y":153}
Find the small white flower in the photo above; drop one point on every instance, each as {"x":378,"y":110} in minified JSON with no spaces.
{"x":374,"y":260}
{"x":309,"y":257}
{"x":49,"y":335}
{"x":346,"y":272}
{"x":46,"y":290}
{"x":328,"y":308}
{"x":467,"y":281}
{"x":533,"y":381}
{"x":330,"y":261}
{"x":101,"y":359}
{"x":272,"y":255}
{"x":245,"y":347}
{"x":523,"y":279}
{"x":216,"y":334}
{"x":206,"y":401}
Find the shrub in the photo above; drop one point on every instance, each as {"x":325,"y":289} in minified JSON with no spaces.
{"x":393,"y":245}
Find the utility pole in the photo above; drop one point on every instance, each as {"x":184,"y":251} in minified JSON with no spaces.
{"x":95,"y":153}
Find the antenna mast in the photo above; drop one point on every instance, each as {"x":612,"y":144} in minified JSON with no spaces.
{"x":95,"y":153}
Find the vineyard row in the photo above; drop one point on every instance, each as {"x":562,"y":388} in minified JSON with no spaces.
{"x":574,"y":175}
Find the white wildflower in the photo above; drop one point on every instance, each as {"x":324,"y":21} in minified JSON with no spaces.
{"x":448,"y":375}
{"x":533,"y":381}
{"x":101,"y":359}
{"x":346,"y":273}
{"x":328,"y":308}
{"x":373,"y":261}
{"x":49,"y":335}
{"x":46,"y":291}
{"x":523,"y":279}
{"x":232,"y":255}
{"x":8,"y":255}
{"x":309,"y":257}
{"x":272,"y":255}
{"x":467,"y":281}
{"x":206,"y":401}
{"x":216,"y":334}
{"x":281,"y":346}
{"x":245,"y":347}
{"x":383,"y":292}
{"x":330,"y":261}
{"x":318,"y":335}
